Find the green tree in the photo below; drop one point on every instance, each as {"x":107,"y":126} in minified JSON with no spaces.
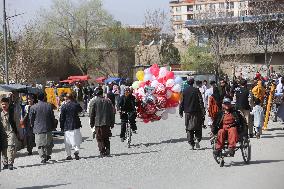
{"x":198,"y":58}
{"x":169,"y":54}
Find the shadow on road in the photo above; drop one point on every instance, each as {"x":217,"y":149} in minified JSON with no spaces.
{"x":237,"y":164}
{"x":122,"y":154}
{"x":179,"y":140}
{"x":44,"y":186}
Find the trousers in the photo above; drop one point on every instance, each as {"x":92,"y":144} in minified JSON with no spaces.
{"x":8,"y":155}
{"x":227,"y":132}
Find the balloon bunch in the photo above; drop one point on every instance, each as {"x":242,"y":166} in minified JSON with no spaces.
{"x":157,"y":92}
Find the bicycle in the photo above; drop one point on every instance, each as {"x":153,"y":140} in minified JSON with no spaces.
{"x":128,"y":132}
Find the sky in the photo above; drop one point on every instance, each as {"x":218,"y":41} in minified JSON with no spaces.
{"x":129,"y":12}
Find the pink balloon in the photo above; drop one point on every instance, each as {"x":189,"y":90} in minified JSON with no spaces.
{"x":154,"y":69}
{"x":170,"y":75}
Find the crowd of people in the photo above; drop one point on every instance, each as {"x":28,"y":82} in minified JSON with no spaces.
{"x":233,"y":109}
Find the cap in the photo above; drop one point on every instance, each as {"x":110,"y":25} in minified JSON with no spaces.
{"x":227,"y":101}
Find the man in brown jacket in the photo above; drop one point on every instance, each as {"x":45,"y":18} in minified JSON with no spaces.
{"x":102,"y":118}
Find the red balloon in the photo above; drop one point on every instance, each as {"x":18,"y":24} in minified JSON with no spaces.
{"x":162,"y":80}
{"x":161,"y":102}
{"x":170,"y":75}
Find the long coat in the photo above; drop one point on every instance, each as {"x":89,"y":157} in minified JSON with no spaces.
{"x":42,"y":118}
{"x":69,"y":117}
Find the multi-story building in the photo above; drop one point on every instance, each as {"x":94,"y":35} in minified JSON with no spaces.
{"x":183,"y":11}
{"x":250,"y":33}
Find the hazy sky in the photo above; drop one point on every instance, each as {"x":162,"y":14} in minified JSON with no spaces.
{"x":129,"y":12}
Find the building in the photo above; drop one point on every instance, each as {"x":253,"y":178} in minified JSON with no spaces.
{"x":183,"y":11}
{"x":247,"y":35}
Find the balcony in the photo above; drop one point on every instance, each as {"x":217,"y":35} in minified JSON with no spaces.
{"x":234,"y":20}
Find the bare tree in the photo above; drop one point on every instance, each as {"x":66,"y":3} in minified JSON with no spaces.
{"x":267,"y":23}
{"x":78,"y":27}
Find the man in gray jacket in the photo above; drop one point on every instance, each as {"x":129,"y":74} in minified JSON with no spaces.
{"x":43,"y":122}
{"x":102,"y":118}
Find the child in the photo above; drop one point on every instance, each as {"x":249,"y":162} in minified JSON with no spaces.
{"x":258,"y":114}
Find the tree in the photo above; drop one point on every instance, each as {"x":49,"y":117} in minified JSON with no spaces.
{"x":30,"y":61}
{"x":168,"y":52}
{"x":198,"y":58}
{"x":78,"y":27}
{"x":267,"y":24}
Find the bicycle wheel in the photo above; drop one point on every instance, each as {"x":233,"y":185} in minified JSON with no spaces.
{"x":246,"y":150}
{"x":128,"y":135}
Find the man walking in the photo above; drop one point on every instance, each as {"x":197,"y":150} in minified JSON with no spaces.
{"x":43,"y":122}
{"x":70,"y":123}
{"x":242,"y":104}
{"x":9,"y":132}
{"x":102,"y":118}
{"x":192,"y":105}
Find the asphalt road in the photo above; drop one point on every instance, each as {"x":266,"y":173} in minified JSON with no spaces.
{"x":160,"y":158}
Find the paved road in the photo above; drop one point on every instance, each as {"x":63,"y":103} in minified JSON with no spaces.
{"x":159,"y":158}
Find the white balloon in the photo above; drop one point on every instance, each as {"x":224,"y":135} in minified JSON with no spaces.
{"x":170,"y":83}
{"x":154,"y":83}
{"x":176,"y":88}
{"x":178,"y":80}
{"x":148,"y":77}
{"x":163,"y":72}
{"x":147,"y":71}
{"x":169,"y":94}
{"x":141,"y":92}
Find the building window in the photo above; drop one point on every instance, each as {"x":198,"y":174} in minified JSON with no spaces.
{"x":212,"y":7}
{"x":221,"y":5}
{"x":243,"y":13}
{"x":198,"y":7}
{"x":189,"y":8}
{"x":202,"y":40}
{"x":189,"y":16}
{"x":230,"y":14}
{"x":178,"y":9}
{"x":178,"y":18}
{"x":232,"y":40}
{"x":179,"y":26}
{"x":231,"y":5}
{"x":269,"y":39}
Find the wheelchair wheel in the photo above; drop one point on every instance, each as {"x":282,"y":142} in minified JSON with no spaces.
{"x":246,"y":150}
{"x":217,"y":158}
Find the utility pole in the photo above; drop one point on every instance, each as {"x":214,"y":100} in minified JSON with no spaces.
{"x":5,"y":43}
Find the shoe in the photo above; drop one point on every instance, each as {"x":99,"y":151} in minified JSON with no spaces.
{"x":30,"y":153}
{"x":257,"y":135}
{"x":76,"y":156}
{"x":43,"y":161}
{"x":101,"y":155}
{"x":10,"y":167}
{"x":135,"y":132}
{"x":192,"y":147}
{"x":197,"y":145}
{"x":250,"y":135}
{"x":122,"y":139}
{"x":48,"y":158}
{"x":107,"y":153}
{"x":69,"y":158}
{"x":5,"y":167}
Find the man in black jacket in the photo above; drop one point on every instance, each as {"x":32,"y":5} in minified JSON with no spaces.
{"x":128,"y":112}
{"x":242,"y":104}
{"x":43,"y":123}
{"x":193,"y":107}
{"x":70,"y":123}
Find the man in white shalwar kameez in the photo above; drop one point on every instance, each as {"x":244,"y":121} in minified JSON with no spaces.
{"x":71,"y":124}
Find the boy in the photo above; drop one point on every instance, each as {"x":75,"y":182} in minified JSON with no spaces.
{"x":258,"y":114}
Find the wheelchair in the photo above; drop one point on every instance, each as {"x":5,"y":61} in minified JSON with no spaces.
{"x":243,"y":144}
